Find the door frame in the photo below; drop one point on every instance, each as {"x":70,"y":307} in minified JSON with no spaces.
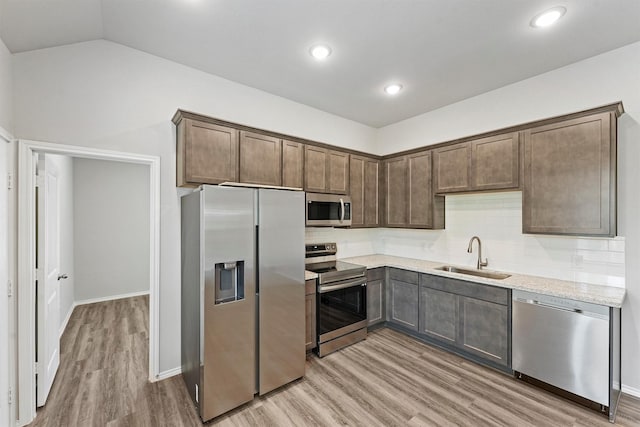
{"x":26,"y":408}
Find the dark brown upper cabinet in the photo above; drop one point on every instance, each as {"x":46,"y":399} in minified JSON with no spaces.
{"x":490,"y":163}
{"x":395,"y":191}
{"x":452,"y":168}
{"x":338,"y":172}
{"x":260,"y":159}
{"x":570,"y":177}
{"x":409,"y":200}
{"x":206,"y":153}
{"x":423,"y":209}
{"x":316,"y":169}
{"x":495,"y":162}
{"x":292,"y":164}
{"x":364,"y":184}
{"x":326,"y":171}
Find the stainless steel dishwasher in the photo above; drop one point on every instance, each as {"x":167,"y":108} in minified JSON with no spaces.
{"x":571,"y":345}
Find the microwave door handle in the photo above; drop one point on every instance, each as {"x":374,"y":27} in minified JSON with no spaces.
{"x":341,"y":210}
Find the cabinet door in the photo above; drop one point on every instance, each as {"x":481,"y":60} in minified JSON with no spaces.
{"x":310,"y":321}
{"x":439,"y":314}
{"x":357,"y":190}
{"x":396,"y":192}
{"x":495,"y":162}
{"x":452,"y":168}
{"x":315,"y":168}
{"x":420,"y":200}
{"x":211,"y":153}
{"x":292,"y":164}
{"x":569,"y":177}
{"x":364,"y":182}
{"x":375,"y":301}
{"x":338,"y":177}
{"x":403,"y":304}
{"x":484,"y":329}
{"x":371,"y":193}
{"x":260,"y":159}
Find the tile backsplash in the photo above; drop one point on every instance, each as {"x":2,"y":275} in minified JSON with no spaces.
{"x":497,"y":219}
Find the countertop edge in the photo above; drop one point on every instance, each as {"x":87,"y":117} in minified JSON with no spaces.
{"x":542,"y":285}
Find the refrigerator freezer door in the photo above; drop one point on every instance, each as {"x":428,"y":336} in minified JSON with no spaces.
{"x":281,"y":300}
{"x":230,"y":325}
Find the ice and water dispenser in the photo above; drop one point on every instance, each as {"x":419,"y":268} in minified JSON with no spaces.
{"x":229,"y":282}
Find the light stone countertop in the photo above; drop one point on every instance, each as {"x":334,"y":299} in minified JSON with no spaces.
{"x":308,"y":275}
{"x":598,"y":294}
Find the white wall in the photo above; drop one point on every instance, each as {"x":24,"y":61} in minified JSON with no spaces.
{"x":111,"y":228}
{"x":64,"y":167}
{"x":4,"y":277}
{"x":104,"y":95}
{"x":6,"y":126}
{"x":6,"y":88}
{"x":607,"y":78}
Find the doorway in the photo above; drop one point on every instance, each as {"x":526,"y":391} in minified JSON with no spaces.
{"x":27,"y":158}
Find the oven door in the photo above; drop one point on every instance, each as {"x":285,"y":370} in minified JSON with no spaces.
{"x":342,"y":308}
{"x":325,"y":210}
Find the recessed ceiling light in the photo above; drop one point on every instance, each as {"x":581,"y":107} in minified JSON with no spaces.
{"x":320,"y":51}
{"x":548,"y":17}
{"x":393,"y":89}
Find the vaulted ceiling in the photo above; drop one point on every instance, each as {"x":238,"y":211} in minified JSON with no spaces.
{"x":441,"y":51}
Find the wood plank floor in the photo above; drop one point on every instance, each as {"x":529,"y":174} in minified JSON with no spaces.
{"x":387,"y":380}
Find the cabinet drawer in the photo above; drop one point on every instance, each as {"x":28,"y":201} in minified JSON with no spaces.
{"x":404,"y":275}
{"x":467,"y":289}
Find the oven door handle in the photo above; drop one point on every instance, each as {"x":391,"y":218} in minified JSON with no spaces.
{"x":343,"y":285}
{"x":341,"y":210}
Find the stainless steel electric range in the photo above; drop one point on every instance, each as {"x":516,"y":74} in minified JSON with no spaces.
{"x":341,"y":298}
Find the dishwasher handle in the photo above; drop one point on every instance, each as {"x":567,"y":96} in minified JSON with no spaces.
{"x":567,"y":308}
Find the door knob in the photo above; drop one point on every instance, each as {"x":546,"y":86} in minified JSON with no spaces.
{"x":63,"y":276}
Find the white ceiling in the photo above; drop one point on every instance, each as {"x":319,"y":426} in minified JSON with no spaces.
{"x":442,"y":51}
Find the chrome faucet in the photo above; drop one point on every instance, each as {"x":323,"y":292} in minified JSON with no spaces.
{"x":470,"y":249}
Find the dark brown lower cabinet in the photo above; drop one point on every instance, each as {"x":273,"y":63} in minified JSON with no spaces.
{"x":310,"y":314}
{"x":376,"y":296}
{"x":467,"y":317}
{"x":402,"y":298}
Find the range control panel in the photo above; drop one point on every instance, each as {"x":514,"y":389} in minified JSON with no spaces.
{"x":320,"y":249}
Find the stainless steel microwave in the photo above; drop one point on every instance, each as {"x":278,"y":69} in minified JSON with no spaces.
{"x":328,"y":210}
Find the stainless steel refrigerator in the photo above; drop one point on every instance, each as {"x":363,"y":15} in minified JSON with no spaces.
{"x":243,"y":320}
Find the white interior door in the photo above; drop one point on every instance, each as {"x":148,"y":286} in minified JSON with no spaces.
{"x":47,"y":280}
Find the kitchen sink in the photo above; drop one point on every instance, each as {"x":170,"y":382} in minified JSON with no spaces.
{"x":471,"y":272}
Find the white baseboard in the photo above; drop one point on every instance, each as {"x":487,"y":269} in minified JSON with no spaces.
{"x":168,"y":374}
{"x":110,"y":297}
{"x":66,"y":319}
{"x":631,"y":390}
